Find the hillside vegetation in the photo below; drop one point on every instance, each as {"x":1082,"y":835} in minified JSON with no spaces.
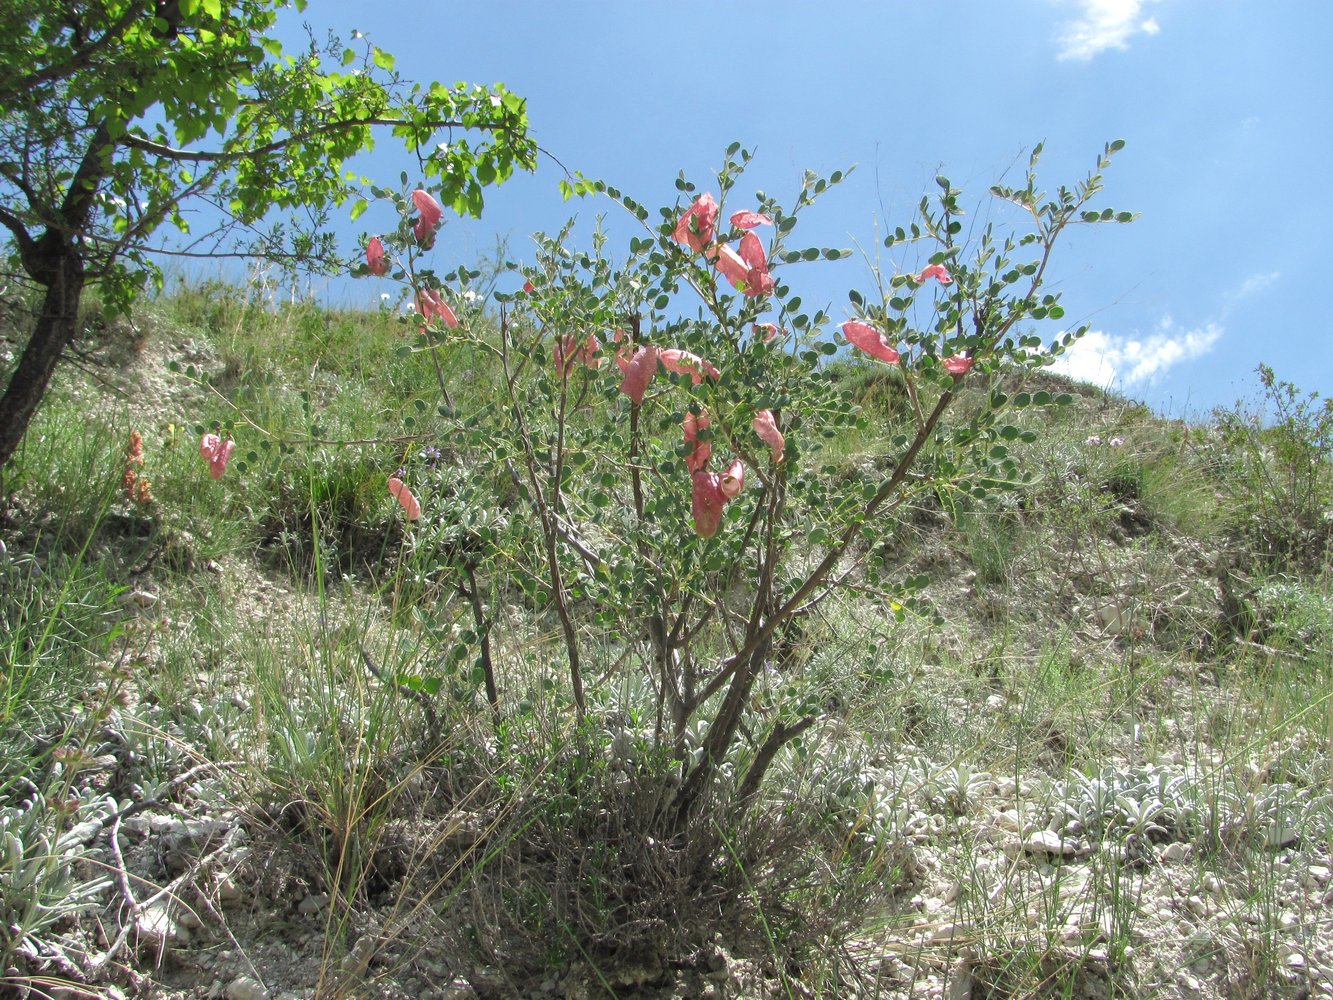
{"x":262,"y":735}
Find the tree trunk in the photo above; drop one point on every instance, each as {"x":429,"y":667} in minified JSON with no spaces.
{"x":57,"y":323}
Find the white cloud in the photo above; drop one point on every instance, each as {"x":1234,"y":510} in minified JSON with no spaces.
{"x":1105,"y":359}
{"x":1256,"y":283}
{"x":1104,"y":24}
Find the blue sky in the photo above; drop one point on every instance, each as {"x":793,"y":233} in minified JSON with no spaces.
{"x":1221,"y":103}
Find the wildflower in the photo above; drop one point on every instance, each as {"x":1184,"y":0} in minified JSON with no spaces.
{"x":1116,"y":442}
{"x":710,"y":492}
{"x":867,"y":338}
{"x":430,"y":304}
{"x":217,"y":452}
{"x":685,"y":363}
{"x":767,"y":429}
{"x":733,"y":480}
{"x":700,"y":451}
{"x":568,"y":353}
{"x":746,"y":269}
{"x":695,"y":227}
{"x":770,"y":331}
{"x":1093,"y":440}
{"x":706,"y":503}
{"x":638,"y":368}
{"x":529,"y":287}
{"x":959,"y":364}
{"x":430,"y":455}
{"x":399,"y":491}
{"x":748,"y":220}
{"x":429,"y":219}
{"x":937,"y":271}
{"x":377,"y":261}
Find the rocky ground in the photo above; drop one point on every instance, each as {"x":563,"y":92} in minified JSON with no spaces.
{"x":1137,"y":827}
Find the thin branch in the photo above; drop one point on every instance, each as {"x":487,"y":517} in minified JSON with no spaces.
{"x":79,"y":58}
{"x":421,"y":698}
{"x":15,"y":225}
{"x":165,"y":152}
{"x":781,"y":735}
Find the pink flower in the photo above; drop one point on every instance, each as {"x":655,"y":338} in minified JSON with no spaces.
{"x":937,"y":271}
{"x":707,"y":501}
{"x":748,"y":220}
{"x":767,"y":429}
{"x":769,"y":330}
{"x":431,"y":304}
{"x":638,"y":368}
{"x":218,"y":453}
{"x":696,"y":460}
{"x":958,"y":365}
{"x":748,"y":269}
{"x":733,"y":480}
{"x":399,"y":491}
{"x":568,"y":353}
{"x":681,"y":362}
{"x":529,"y":287}
{"x":376,"y":260}
{"x":695,"y":227}
{"x":867,"y":338}
{"x":430,"y":215}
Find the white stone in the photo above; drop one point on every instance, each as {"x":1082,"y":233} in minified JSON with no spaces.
{"x":960,"y":981}
{"x":1051,"y":844}
{"x":139,"y":599}
{"x":155,"y":926}
{"x":1280,"y":835}
{"x":1175,"y":851}
{"x":947,"y":932}
{"x":245,"y":988}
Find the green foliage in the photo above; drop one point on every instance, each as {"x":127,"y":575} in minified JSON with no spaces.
{"x":1274,"y":467}
{"x":118,"y":116}
{"x":610,"y":488}
{"x":201,"y":101}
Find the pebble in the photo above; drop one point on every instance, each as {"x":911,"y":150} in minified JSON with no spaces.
{"x":227,"y":889}
{"x":313,"y":904}
{"x":960,"y":981}
{"x":139,"y":599}
{"x":1051,"y":844}
{"x":1280,"y":835}
{"x":947,"y":932}
{"x":245,"y":988}
{"x":1174,"y":852}
{"x":156,"y":927}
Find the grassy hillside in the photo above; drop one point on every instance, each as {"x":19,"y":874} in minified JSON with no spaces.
{"x":246,"y":739}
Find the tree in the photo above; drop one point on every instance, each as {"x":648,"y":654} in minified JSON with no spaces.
{"x":116,"y":116}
